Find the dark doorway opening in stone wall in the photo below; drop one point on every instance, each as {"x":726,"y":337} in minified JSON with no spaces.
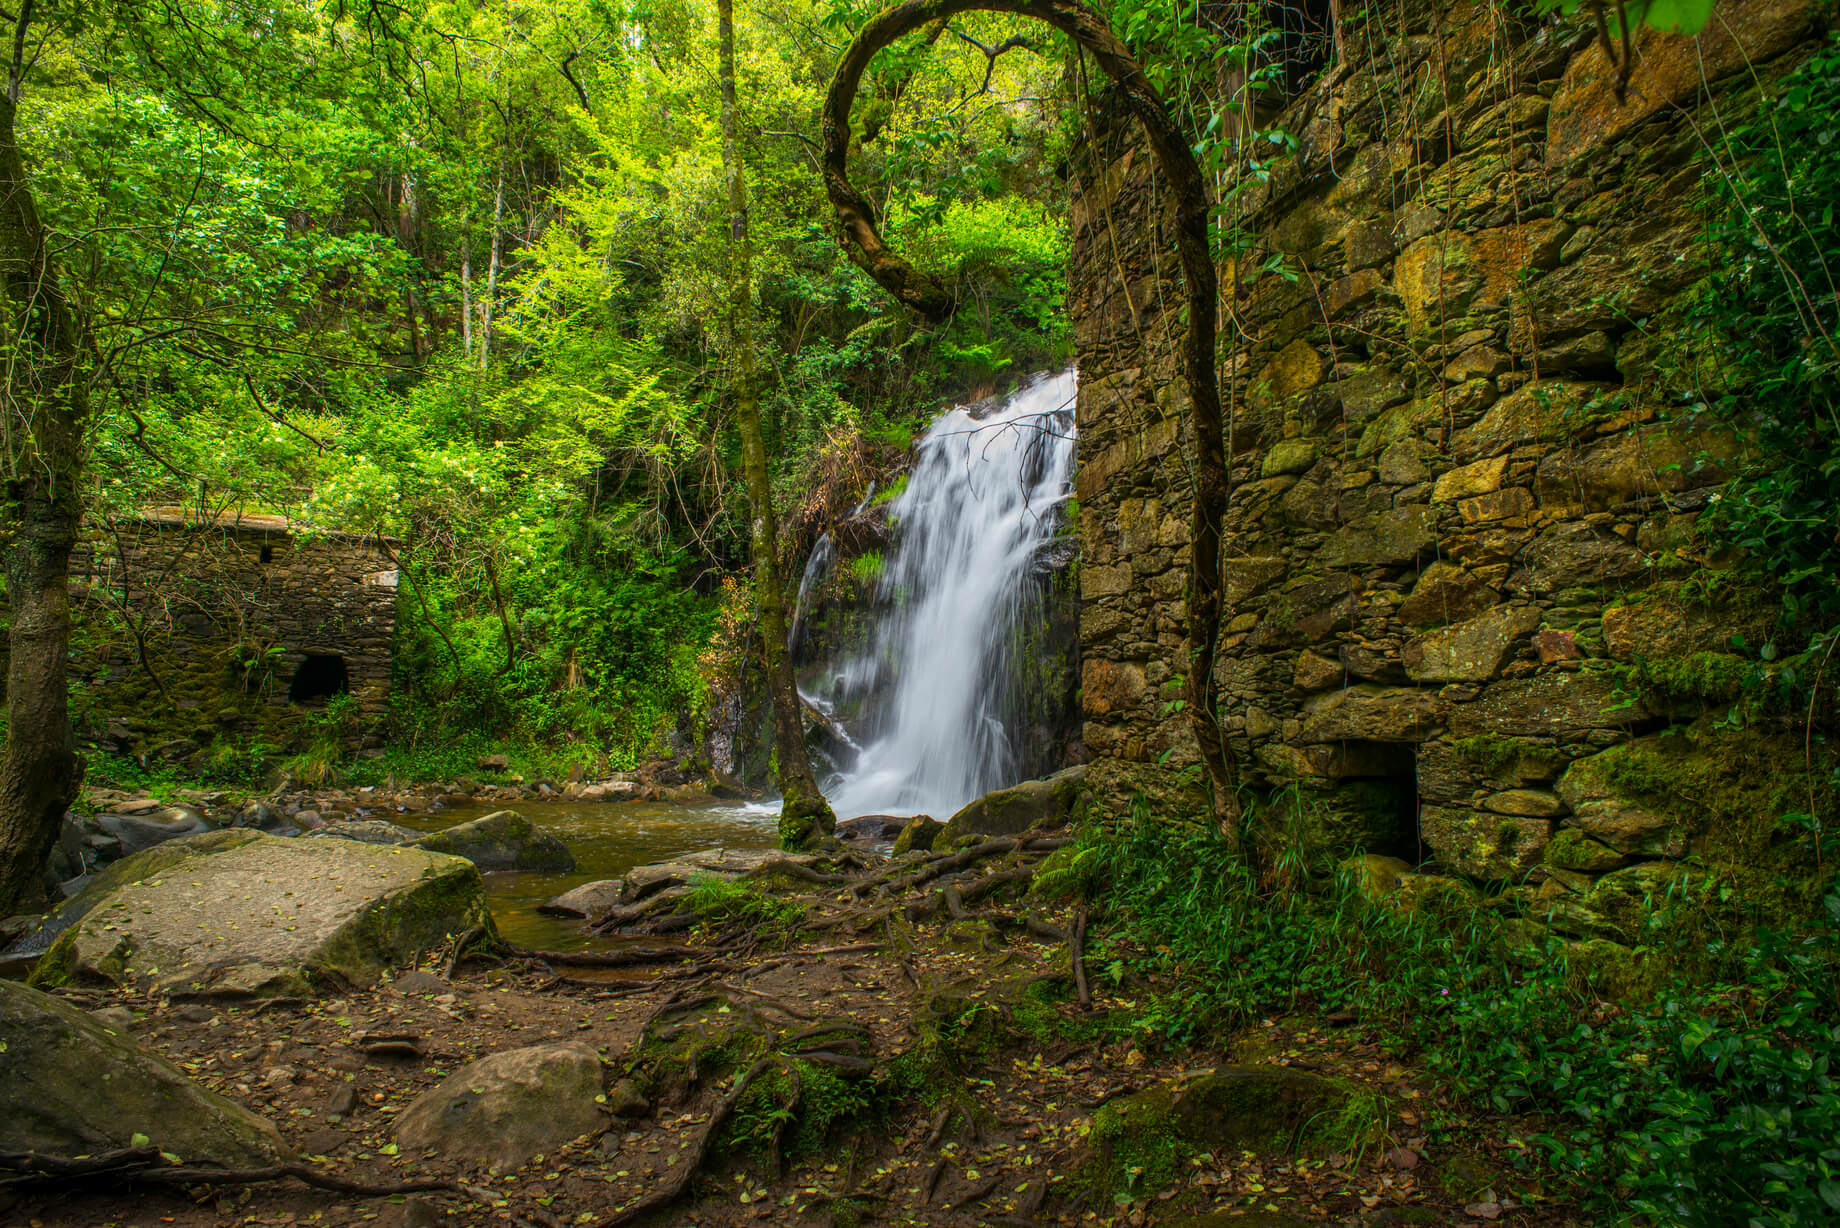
{"x":319,"y":678}
{"x":1376,"y":795}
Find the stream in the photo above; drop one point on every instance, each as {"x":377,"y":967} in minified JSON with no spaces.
{"x":608,"y":839}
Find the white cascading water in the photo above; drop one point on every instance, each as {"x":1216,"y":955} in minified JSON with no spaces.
{"x":985,"y":497}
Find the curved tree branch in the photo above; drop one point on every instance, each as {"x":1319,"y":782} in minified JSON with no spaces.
{"x":927,"y":297}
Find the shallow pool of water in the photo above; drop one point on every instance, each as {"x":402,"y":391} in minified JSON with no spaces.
{"x":608,"y":839}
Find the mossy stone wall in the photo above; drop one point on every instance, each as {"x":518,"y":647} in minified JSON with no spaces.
{"x":1461,"y":513}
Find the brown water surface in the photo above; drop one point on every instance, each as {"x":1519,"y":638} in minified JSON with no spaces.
{"x":608,"y":839}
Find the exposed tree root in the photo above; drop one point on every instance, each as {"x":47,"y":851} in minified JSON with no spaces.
{"x":685,"y":1170}
{"x":147,"y":1166}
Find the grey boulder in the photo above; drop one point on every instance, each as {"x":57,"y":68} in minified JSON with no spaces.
{"x":75,"y":1086}
{"x":508,"y":1107}
{"x":502,"y":840}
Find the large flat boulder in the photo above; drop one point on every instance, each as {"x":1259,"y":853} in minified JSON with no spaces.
{"x":72,"y":1086}
{"x":242,"y":913}
{"x":508,"y":1107}
{"x":503,"y":840}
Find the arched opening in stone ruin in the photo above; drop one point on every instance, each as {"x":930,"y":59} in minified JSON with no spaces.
{"x":319,"y":678}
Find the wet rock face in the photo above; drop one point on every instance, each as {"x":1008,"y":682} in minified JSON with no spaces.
{"x":241,"y":913}
{"x":74,"y":1086}
{"x":506,"y":1108}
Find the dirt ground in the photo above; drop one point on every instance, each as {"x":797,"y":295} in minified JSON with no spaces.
{"x":1006,"y":1139}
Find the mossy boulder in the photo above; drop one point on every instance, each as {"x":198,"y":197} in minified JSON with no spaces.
{"x":508,"y":1107}
{"x":73,"y":1086}
{"x":502,"y":840}
{"x":241,"y":913}
{"x":1010,"y":812}
{"x":1268,"y":1109}
{"x":918,"y":835}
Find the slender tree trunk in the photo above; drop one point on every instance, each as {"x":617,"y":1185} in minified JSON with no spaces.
{"x":491,"y":295}
{"x":804,"y":815}
{"x":39,"y":513}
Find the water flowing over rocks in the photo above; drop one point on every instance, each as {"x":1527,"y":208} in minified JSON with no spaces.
{"x":241,"y":913}
{"x":953,"y":674}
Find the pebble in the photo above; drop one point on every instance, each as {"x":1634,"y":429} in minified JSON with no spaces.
{"x":118,"y":1018}
{"x":342,"y":1101}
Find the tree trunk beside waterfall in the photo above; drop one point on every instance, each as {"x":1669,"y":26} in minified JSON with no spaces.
{"x":804,"y":814}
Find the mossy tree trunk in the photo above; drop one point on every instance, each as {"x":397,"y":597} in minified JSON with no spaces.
{"x":43,"y":420}
{"x":804,"y":814}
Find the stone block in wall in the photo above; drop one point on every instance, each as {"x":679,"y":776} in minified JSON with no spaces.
{"x":1542,"y":412}
{"x":1670,"y":71}
{"x":1109,"y":686}
{"x":1250,"y":575}
{"x":1364,"y":390}
{"x":1373,"y":714}
{"x":1552,"y":705}
{"x":1466,"y":481}
{"x":1660,"y":627}
{"x":1470,"y":651}
{"x":1481,"y":844}
{"x":1605,"y":812}
{"x":1577,"y":555}
{"x":1525,"y":803}
{"x":1615,"y":905}
{"x":1386,"y":539}
{"x":1636,"y":463}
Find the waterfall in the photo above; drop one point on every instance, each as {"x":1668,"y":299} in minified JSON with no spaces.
{"x":937,"y":696}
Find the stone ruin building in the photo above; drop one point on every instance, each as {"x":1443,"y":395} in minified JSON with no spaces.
{"x":193,"y":626}
{"x":1461,"y":548}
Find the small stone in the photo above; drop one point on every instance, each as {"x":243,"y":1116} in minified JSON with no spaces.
{"x":625,"y":1100}
{"x":342,"y":1101}
{"x":419,"y":982}
{"x":323,"y":1142}
{"x":116,"y":1018}
{"x":414,"y":1212}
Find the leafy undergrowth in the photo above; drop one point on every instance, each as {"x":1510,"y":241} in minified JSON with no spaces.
{"x":1708,"y":1103}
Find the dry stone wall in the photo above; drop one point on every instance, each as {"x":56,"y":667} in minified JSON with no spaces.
{"x":1462,"y":518}
{"x":239,"y":619}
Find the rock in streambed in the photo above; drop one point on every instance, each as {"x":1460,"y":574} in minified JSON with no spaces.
{"x":506,"y":1108}
{"x":503,"y":840}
